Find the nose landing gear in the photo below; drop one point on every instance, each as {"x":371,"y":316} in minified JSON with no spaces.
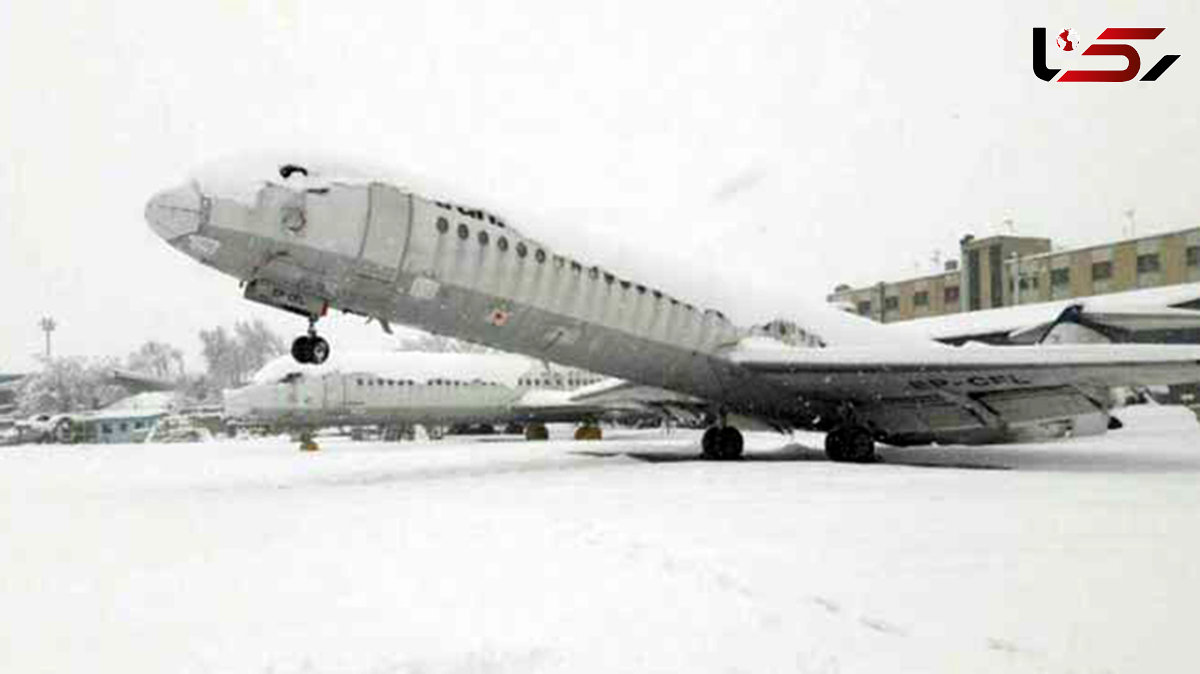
{"x":310,"y":349}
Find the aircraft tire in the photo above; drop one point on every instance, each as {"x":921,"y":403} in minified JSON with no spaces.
{"x":722,"y":443}
{"x":302,"y":350}
{"x":62,"y":431}
{"x":708,"y":443}
{"x":852,"y":444}
{"x":318,"y":350}
{"x":732,"y":443}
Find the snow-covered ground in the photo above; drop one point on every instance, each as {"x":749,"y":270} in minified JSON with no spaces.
{"x":626,"y":555}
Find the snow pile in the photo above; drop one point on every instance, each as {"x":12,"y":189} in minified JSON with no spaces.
{"x":626,"y":555}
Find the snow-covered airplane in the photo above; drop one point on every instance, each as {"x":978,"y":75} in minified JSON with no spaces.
{"x":307,"y":236}
{"x":397,"y":390}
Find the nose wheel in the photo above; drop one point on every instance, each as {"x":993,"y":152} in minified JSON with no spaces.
{"x":310,"y":349}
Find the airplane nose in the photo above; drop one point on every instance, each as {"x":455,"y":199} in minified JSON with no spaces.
{"x":175,"y":212}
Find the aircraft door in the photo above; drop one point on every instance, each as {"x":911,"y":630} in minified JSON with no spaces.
{"x":388,"y":221}
{"x":334,"y":219}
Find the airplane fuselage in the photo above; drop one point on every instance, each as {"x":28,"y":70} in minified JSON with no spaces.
{"x":374,"y":250}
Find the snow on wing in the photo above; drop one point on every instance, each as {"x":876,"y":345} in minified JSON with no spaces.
{"x":859,"y":374}
{"x":970,"y":395}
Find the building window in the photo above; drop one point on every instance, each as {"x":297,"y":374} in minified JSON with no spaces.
{"x":105,"y":428}
{"x":463,"y":232}
{"x":1060,"y":277}
{"x":1101,"y":271}
{"x":864,"y":308}
{"x":502,"y":244}
{"x":1148,"y":264}
{"x":891,"y":303}
{"x":1193,"y":256}
{"x":950,"y":295}
{"x":921,"y":298}
{"x":996,"y":267}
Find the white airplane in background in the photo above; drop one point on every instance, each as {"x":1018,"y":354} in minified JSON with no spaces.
{"x":400,"y":389}
{"x":307,"y":236}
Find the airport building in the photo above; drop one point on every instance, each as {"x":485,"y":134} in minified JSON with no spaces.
{"x":1001,"y":271}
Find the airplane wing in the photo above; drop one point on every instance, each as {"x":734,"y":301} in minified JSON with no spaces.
{"x":1118,"y":325}
{"x":137,"y":382}
{"x":1147,"y":315}
{"x":969,"y":394}
{"x":622,"y":394}
{"x":551,"y":405}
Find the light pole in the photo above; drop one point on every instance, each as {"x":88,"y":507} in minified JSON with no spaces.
{"x":48,"y":325}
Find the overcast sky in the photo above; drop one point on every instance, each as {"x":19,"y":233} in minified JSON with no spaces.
{"x":826,"y":142}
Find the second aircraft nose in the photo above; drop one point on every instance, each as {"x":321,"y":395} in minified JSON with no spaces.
{"x":175,"y":212}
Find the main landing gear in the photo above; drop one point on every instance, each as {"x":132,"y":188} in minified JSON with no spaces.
{"x":851,"y":444}
{"x":721,"y":443}
{"x":310,"y":349}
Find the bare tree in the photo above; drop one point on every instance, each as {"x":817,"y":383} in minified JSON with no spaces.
{"x":69,"y":385}
{"x":157,"y":359}
{"x":231,"y":359}
{"x":257,"y":344}
{"x":219,"y":356}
